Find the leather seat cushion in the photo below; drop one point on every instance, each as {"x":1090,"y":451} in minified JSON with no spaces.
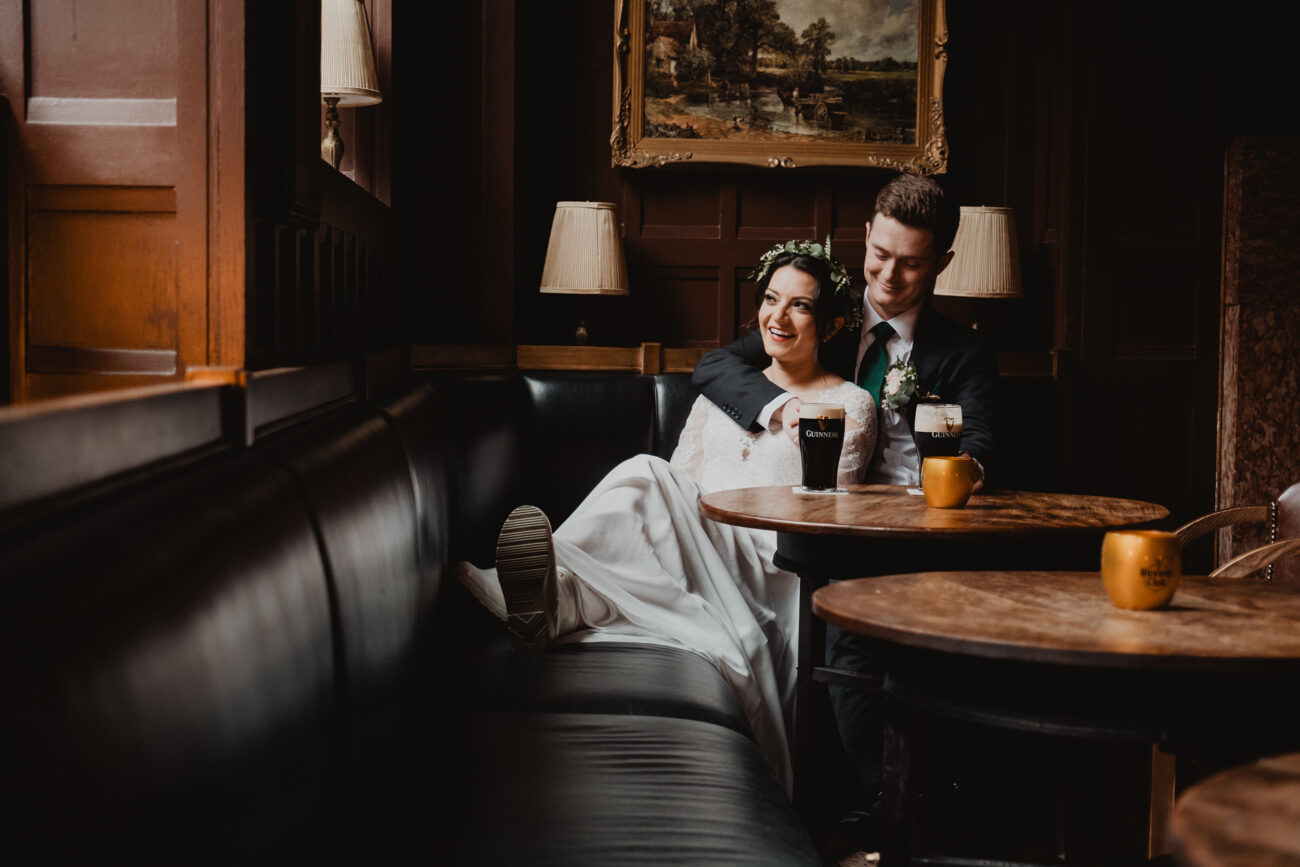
{"x":582,"y":425}
{"x":485,"y":415}
{"x":167,"y":667}
{"x":352,"y":471}
{"x":411,"y":408}
{"x":592,"y":789}
{"x":608,"y":678}
{"x":674,"y":397}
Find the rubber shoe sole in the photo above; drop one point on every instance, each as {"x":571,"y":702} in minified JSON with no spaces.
{"x":526,"y":570}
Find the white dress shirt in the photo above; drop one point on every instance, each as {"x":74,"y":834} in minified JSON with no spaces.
{"x":896,"y":459}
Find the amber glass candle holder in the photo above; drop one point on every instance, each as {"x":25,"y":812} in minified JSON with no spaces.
{"x":947,"y":482}
{"x":1141,"y":568}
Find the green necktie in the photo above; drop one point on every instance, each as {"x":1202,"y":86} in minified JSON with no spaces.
{"x":871,"y":375}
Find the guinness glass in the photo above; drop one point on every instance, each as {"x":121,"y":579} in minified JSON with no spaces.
{"x":937,"y":430}
{"x":821,"y":436}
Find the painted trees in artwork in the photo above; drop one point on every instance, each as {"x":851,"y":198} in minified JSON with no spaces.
{"x":733,"y":68}
{"x":739,"y":36}
{"x":817,"y":38}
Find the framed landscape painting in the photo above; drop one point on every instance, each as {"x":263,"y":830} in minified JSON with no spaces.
{"x":781,"y":83}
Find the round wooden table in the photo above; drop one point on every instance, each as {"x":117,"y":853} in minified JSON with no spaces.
{"x":1046,"y":652}
{"x":1244,"y":817}
{"x":882,"y":529}
{"x":1065,"y":618}
{"x":873,"y":529}
{"x":889,"y":511}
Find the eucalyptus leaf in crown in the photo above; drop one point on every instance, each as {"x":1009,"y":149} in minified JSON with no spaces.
{"x":847,"y":303}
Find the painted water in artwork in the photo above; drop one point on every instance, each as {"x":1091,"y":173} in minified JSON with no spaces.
{"x":764,"y":70}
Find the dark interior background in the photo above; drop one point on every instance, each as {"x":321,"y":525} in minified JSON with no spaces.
{"x":1103,"y":124}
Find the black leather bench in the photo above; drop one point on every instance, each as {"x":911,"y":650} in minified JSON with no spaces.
{"x":237,"y":640}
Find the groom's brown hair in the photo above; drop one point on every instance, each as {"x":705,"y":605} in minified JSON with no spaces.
{"x":920,"y":203}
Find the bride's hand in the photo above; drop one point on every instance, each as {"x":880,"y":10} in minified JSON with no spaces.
{"x":787,"y":415}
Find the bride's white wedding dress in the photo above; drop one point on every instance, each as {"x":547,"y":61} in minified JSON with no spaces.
{"x":637,"y":562}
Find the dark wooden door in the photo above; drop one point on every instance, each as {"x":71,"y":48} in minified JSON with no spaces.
{"x":1147,"y":377}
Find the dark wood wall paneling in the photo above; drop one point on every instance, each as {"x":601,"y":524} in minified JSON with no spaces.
{"x":321,"y":281}
{"x":453,"y":168}
{"x":1148,"y":356}
{"x":1163,"y":101}
{"x":7,"y":357}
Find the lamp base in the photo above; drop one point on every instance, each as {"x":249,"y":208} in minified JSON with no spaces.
{"x":580,"y":335}
{"x":331,"y":147}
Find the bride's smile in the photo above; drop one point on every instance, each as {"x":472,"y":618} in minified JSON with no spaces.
{"x":785,"y":316}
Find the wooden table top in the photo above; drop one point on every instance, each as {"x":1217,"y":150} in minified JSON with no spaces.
{"x":890,"y":511}
{"x":1245,"y":817}
{"x":1066,"y":618}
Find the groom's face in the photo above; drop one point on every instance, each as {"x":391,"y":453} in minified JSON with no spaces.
{"x":901,"y":265}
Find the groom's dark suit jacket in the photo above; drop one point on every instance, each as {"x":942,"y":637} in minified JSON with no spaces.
{"x":951,"y":360}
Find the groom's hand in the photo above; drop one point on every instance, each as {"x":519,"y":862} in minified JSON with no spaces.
{"x":787,"y":416}
{"x":979,"y":482}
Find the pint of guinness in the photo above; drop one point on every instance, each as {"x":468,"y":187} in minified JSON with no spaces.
{"x":937,"y":430}
{"x":821,"y":436}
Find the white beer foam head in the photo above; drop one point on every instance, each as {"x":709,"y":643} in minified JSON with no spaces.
{"x":821,"y":410}
{"x":937,"y":416}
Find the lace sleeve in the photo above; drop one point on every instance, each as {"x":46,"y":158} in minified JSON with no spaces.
{"x":859,"y":442}
{"x":688,"y":457}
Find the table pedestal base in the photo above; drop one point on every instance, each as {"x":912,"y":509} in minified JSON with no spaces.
{"x":818,"y":559}
{"x":1111,"y":736}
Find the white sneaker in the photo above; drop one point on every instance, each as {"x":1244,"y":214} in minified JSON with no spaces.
{"x":526,"y":570}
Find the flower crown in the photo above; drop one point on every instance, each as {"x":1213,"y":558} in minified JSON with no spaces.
{"x":845,"y":299}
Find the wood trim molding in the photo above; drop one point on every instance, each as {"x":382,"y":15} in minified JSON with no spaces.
{"x":648,"y":358}
{"x":580,"y":358}
{"x":463,"y":357}
{"x":282,"y":395}
{"x":84,"y":360}
{"x":59,"y":444}
{"x":228,"y":218}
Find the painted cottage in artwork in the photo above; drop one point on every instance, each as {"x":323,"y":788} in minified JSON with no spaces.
{"x":666,"y":41}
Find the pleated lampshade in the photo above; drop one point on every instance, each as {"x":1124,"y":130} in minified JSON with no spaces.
{"x":986,"y":259}
{"x":585,"y":253}
{"x":347,"y":62}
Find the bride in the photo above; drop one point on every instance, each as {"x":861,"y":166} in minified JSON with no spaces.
{"x":635,"y":561}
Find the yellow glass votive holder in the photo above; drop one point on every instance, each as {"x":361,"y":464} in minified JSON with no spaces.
{"x":1141,"y":568}
{"x":947,"y":481}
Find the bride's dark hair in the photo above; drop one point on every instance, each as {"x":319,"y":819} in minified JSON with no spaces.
{"x":824,"y":306}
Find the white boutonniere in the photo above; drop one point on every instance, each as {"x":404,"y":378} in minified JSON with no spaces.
{"x":900,"y":384}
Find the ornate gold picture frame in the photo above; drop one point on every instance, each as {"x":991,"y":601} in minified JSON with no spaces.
{"x":764,"y":82}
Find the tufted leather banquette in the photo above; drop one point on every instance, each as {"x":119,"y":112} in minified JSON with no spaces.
{"x":239,"y":643}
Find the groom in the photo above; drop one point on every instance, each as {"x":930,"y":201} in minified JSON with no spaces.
{"x":908,"y":241}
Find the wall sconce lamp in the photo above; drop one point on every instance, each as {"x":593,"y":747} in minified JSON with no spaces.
{"x":986,"y":260}
{"x":347,"y":68}
{"x":585,"y":254}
